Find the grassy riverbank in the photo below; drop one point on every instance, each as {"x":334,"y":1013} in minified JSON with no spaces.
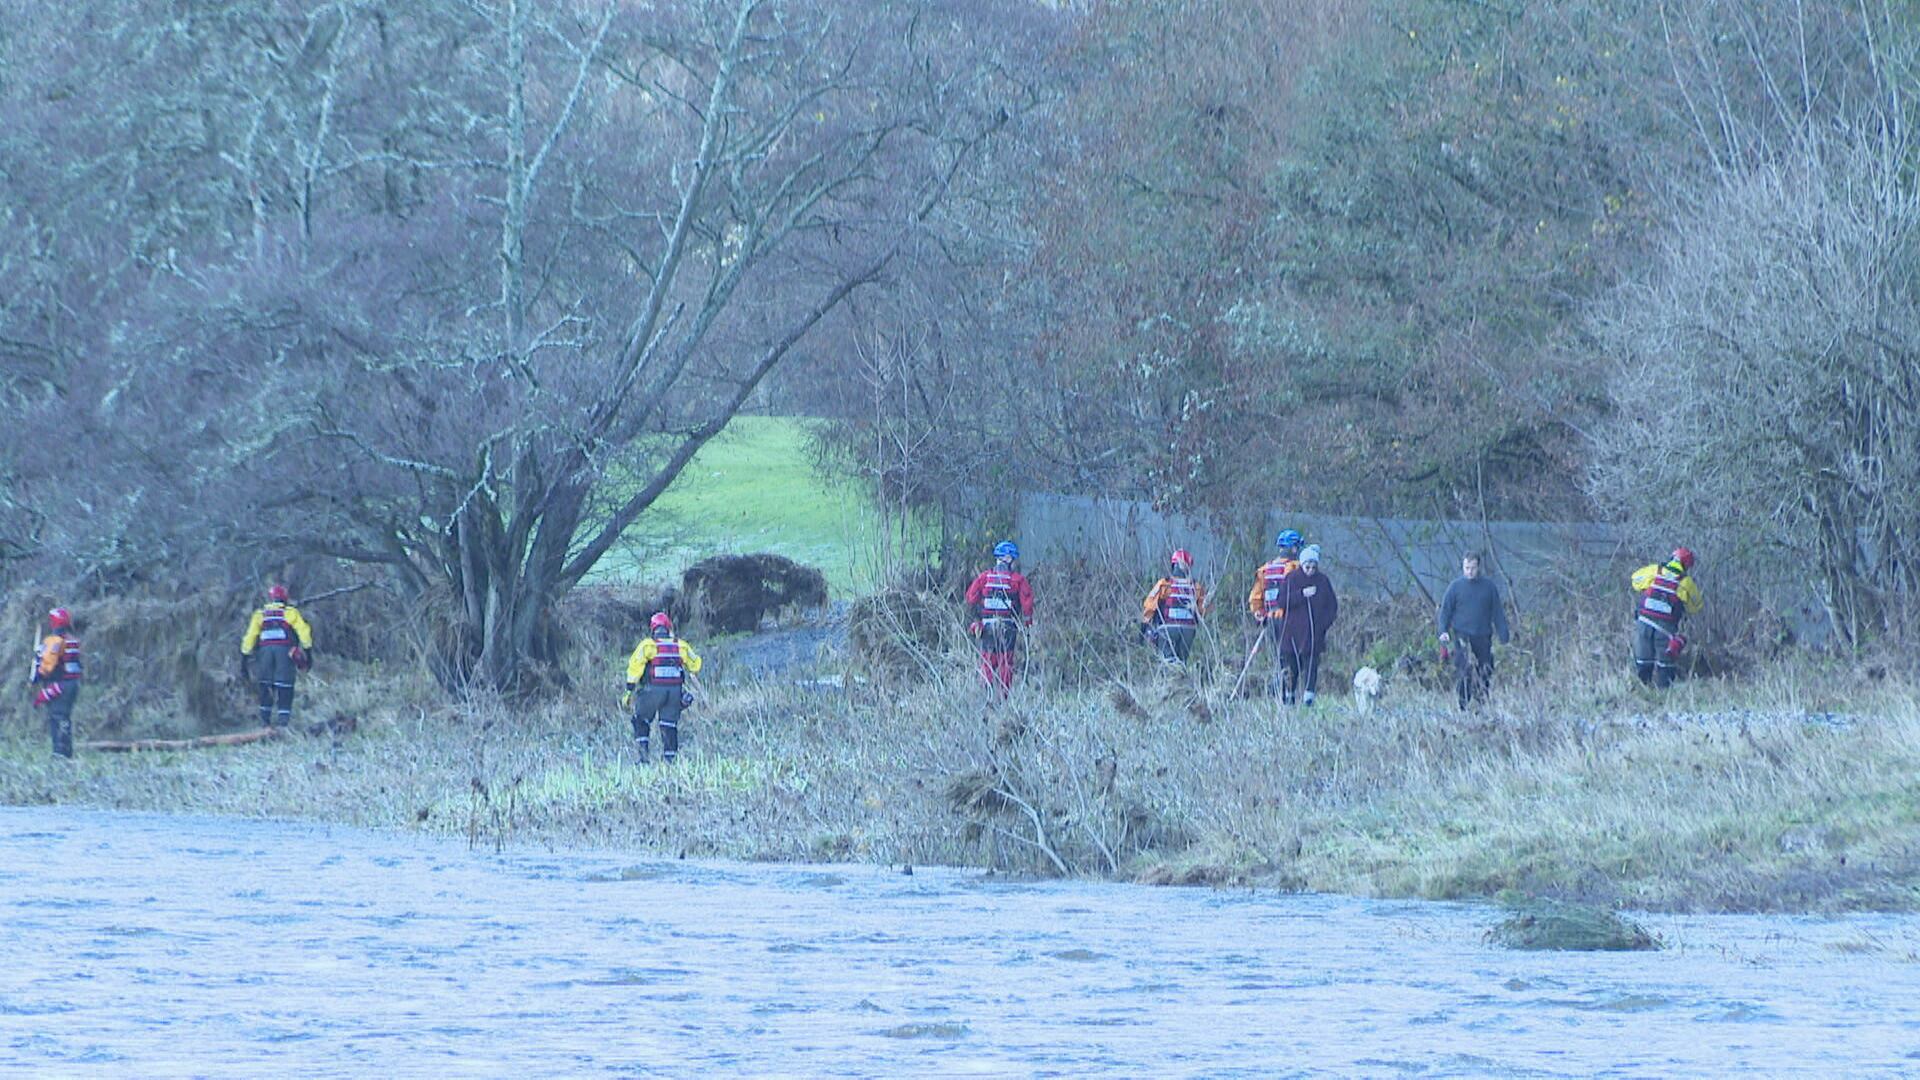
{"x":1800,"y":791}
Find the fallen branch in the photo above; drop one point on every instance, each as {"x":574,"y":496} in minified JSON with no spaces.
{"x":238,"y":738}
{"x":339,"y":725}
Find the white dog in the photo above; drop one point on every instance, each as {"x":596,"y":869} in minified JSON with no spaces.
{"x":1366,"y":687}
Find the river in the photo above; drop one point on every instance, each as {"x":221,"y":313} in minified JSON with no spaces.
{"x":148,"y":945}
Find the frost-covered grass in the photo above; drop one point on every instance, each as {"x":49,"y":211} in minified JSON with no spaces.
{"x":1799,"y":790}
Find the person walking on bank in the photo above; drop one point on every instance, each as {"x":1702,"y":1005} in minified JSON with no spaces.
{"x":1667,"y":594}
{"x":1001,"y":602}
{"x":656,"y":685}
{"x":56,"y":671}
{"x":1267,"y":601}
{"x":280,"y":639}
{"x":1472,"y":611}
{"x":1170,"y":615}
{"x":1311,"y":607}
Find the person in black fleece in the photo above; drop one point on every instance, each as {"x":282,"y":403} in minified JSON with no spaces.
{"x":1472,"y":611}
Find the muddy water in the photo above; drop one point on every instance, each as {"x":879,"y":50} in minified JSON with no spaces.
{"x":161,"y":946}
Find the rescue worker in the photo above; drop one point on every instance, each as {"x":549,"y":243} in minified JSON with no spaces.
{"x":56,"y":671}
{"x":1472,"y":610}
{"x":1001,"y":602}
{"x":1666,"y":595}
{"x":1170,"y":615}
{"x":657,"y":685}
{"x":1267,"y":601}
{"x":1311,"y":607}
{"x":280,"y":639}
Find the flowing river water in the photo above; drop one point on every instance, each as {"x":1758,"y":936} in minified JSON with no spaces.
{"x":146,"y":945}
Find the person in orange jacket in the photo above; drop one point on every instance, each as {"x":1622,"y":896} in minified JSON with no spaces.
{"x":56,"y":672}
{"x":1170,"y":615}
{"x":280,"y":639}
{"x":1268,"y":600}
{"x":1001,"y":602}
{"x":657,"y":685}
{"x":1665,"y":595}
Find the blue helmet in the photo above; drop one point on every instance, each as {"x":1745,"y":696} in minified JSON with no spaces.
{"x":1006,"y":549}
{"x":1289,"y":538}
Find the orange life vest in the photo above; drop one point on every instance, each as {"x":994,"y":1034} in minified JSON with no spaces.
{"x":1180,"y":606}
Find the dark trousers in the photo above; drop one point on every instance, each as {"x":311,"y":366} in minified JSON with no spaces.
{"x":1176,"y":642}
{"x":660,"y":703}
{"x":1472,"y":666}
{"x":273,"y":669}
{"x":1299,"y":674}
{"x":1651,"y":661}
{"x":60,"y":718}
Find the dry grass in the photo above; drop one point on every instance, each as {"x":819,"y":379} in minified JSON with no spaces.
{"x":1796,"y":788}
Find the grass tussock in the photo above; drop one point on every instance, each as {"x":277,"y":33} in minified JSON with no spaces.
{"x":1793,"y":787}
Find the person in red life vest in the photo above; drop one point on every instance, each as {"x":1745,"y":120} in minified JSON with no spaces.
{"x":279,"y":638}
{"x":1311,"y":608}
{"x":1001,"y":602}
{"x":1665,"y":594}
{"x":657,"y":685}
{"x":1267,"y":600}
{"x":56,"y":678}
{"x":1170,"y":615}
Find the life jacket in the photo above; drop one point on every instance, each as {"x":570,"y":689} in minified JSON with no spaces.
{"x":69,"y":669}
{"x":274,"y":627}
{"x":999,"y":597}
{"x":1180,"y":605}
{"x":666,"y":668}
{"x":1661,"y":600}
{"x":1273,"y":577}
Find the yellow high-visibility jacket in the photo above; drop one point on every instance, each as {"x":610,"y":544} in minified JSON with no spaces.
{"x":644,"y":653}
{"x":1688,"y":592}
{"x":295,"y":622}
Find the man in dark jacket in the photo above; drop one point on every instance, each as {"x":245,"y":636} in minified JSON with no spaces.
{"x":1311,"y":607}
{"x":1472,"y":611}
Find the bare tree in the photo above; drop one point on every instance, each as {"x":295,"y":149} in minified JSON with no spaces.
{"x":1768,"y":362}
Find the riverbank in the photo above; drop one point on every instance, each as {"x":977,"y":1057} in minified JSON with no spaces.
{"x":1720,"y":796}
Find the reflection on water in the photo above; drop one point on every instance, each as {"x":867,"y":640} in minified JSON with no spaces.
{"x":159,"y":946}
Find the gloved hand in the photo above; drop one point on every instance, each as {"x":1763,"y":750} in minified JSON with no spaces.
{"x":1146,"y":631}
{"x":686,"y":699}
{"x":302,"y":660}
{"x":626,"y":700}
{"x":246,"y":668}
{"x":1675,"y":643}
{"x":974,"y":628}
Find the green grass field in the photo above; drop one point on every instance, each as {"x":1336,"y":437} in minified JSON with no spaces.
{"x":754,"y":488}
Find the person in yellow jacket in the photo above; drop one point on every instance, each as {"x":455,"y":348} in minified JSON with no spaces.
{"x":56,"y":671}
{"x":657,"y":684}
{"x":1664,"y":595}
{"x":279,"y":638}
{"x":1170,"y":615}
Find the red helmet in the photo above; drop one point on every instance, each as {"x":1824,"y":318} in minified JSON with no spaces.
{"x":277,"y":592}
{"x":1183,"y":558}
{"x":59,"y":619}
{"x":660,"y":621}
{"x":1683,"y":556}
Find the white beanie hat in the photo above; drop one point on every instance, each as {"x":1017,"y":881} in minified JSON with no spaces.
{"x":1310,"y":553}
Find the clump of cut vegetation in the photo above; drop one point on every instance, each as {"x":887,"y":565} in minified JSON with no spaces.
{"x":1538,"y":923}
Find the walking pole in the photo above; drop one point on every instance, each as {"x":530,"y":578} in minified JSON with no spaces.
{"x":1249,"y":664}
